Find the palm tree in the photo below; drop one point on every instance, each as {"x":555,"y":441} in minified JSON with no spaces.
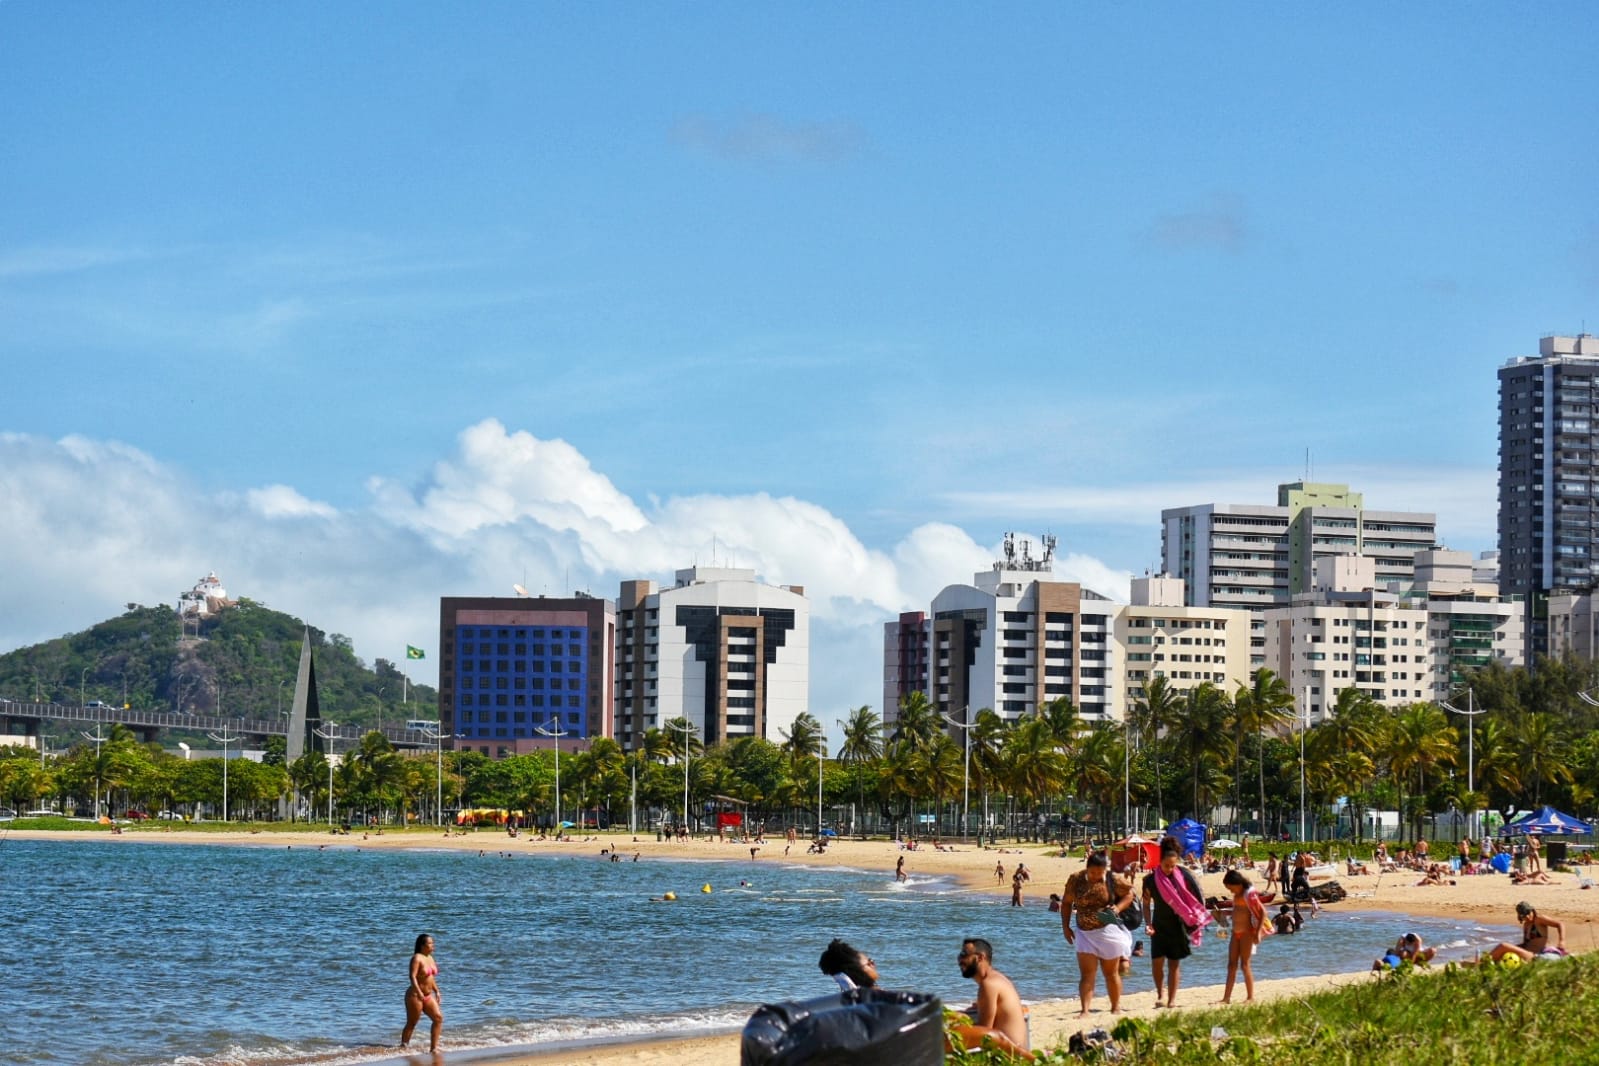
{"x":1265,"y":704}
{"x":1200,"y":732}
{"x":1342,"y":749}
{"x":1099,"y":764}
{"x":1154,"y":713}
{"x":1420,"y":739}
{"x":863,"y":742}
{"x":804,"y":739}
{"x":1542,"y":753}
{"x":917,"y":721}
{"x":1035,"y":765}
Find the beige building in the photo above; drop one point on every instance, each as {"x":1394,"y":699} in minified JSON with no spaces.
{"x":1161,"y":637}
{"x":1398,"y":648}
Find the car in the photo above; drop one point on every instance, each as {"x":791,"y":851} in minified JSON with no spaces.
{"x":40,"y":814}
{"x":136,"y":815}
{"x":170,"y":816}
{"x":6,"y":814}
{"x":101,"y":704}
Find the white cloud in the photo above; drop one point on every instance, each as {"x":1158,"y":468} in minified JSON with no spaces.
{"x":281,"y":501}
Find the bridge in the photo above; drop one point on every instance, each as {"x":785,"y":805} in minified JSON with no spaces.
{"x":32,"y":716}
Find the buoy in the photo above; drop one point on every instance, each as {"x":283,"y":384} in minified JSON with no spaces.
{"x":705,"y":888}
{"x":670,"y":895}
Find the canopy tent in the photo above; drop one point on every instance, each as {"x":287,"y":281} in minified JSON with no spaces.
{"x":1125,"y":852}
{"x":1190,"y":834}
{"x":1545,"y":820}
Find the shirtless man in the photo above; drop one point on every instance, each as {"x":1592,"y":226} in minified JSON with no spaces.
{"x":998,"y":1008}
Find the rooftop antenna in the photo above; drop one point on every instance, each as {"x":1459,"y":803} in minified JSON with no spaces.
{"x":520,"y":590}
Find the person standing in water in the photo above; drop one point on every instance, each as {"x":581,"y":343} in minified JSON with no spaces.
{"x":422,"y":996}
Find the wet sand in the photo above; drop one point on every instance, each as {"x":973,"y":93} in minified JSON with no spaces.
{"x":1490,"y":898}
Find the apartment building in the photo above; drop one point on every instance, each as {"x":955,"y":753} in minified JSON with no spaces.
{"x":1258,"y":557}
{"x":728,"y":653}
{"x":1158,"y":635}
{"x":1549,"y":475}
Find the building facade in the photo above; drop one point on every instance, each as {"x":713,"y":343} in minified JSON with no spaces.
{"x":1257,"y":557}
{"x":510,"y":667}
{"x":1013,"y":639}
{"x":1158,"y":635}
{"x":1548,"y":473}
{"x":905,"y":661}
{"x":718,"y":648}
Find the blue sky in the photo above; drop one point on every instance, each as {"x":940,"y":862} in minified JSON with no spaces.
{"x":360,"y":306}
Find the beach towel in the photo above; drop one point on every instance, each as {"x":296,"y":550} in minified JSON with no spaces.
{"x":1257,"y":913}
{"x":1190,"y":910}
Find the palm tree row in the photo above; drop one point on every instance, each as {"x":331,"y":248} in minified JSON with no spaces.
{"x":1180,"y":753}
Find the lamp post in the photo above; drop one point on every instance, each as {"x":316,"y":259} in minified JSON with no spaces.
{"x":687,"y":729}
{"x":436,"y":734}
{"x":224,"y":739}
{"x":1302,"y":733}
{"x":329,"y":733}
{"x":1471,"y":712}
{"x":557,"y":733}
{"x":965,"y":727}
{"x":98,"y":740}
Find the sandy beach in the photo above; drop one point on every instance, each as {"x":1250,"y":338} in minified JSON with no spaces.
{"x":1489,"y":898}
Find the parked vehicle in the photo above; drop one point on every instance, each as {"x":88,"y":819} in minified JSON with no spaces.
{"x":136,"y":815}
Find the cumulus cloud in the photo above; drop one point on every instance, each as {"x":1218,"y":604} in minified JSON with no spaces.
{"x":769,"y":139}
{"x":96,"y":524}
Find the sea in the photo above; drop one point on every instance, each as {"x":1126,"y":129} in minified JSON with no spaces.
{"x":269,"y":955}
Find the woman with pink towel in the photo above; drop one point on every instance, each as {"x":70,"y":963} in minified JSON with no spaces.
{"x":1175,"y":917}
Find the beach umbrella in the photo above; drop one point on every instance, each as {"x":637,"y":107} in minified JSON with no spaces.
{"x":1224,"y":844}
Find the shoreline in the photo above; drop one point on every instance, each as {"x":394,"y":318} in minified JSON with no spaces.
{"x":1488,"y":898}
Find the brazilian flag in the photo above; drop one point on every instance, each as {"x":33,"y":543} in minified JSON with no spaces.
{"x":414,"y":653}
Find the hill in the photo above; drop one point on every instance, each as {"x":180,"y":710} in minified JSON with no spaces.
{"x":244,"y":660}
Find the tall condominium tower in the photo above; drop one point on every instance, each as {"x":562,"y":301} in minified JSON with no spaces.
{"x":1258,"y":557}
{"x":718,"y":648}
{"x":1548,"y":471}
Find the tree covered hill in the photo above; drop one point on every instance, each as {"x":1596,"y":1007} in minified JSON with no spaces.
{"x":242,"y":664}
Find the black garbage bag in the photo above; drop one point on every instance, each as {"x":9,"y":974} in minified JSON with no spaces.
{"x":861,"y":1027}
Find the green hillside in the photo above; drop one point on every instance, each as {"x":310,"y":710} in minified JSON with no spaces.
{"x":250,"y":652}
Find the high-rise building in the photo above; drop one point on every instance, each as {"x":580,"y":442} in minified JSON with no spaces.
{"x":1548,"y":473}
{"x":905,"y":647}
{"x":1257,"y":557}
{"x":510,"y":667}
{"x":1160,"y":636}
{"x":1014,"y":639}
{"x":718,"y":648}
{"x":1396,"y":647}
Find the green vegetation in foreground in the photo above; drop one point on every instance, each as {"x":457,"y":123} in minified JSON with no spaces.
{"x":1472,"y":1016}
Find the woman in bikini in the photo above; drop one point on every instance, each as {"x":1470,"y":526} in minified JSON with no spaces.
{"x":422,"y":996}
{"x":1249,"y":925}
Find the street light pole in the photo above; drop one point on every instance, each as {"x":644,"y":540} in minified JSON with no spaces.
{"x":329,"y":733}
{"x":436,"y":734}
{"x":1471,"y":712}
{"x":965,"y":727}
{"x":557,"y":733}
{"x":687,"y":729}
{"x":224,"y":739}
{"x":98,"y":740}
{"x":82,"y":681}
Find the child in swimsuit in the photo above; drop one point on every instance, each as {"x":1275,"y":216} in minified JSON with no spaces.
{"x":1249,"y":925}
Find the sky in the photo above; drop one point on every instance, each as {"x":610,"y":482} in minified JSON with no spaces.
{"x":361,"y":306}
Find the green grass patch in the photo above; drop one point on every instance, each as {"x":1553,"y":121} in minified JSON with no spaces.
{"x":1467,"y":1015}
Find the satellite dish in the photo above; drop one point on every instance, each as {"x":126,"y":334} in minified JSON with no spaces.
{"x":520,"y":591}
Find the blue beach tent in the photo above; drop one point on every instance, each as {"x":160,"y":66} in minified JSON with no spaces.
{"x":1190,"y":834}
{"x":1547,"y":821}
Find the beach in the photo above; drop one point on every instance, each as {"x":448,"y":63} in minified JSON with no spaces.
{"x":1489,"y":899}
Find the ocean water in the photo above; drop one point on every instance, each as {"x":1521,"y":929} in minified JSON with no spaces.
{"x":266,"y":955}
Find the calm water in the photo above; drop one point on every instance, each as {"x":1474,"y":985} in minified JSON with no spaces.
{"x":149,"y":953}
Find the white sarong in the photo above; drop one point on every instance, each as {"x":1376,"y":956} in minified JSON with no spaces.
{"x":1109,"y":942}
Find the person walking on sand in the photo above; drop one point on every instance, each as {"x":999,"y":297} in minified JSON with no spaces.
{"x":1174,"y":919}
{"x":1249,"y":927}
{"x":422,"y":995}
{"x":1097,"y":899}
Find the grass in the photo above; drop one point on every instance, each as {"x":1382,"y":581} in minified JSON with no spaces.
{"x":1471,"y":1016}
